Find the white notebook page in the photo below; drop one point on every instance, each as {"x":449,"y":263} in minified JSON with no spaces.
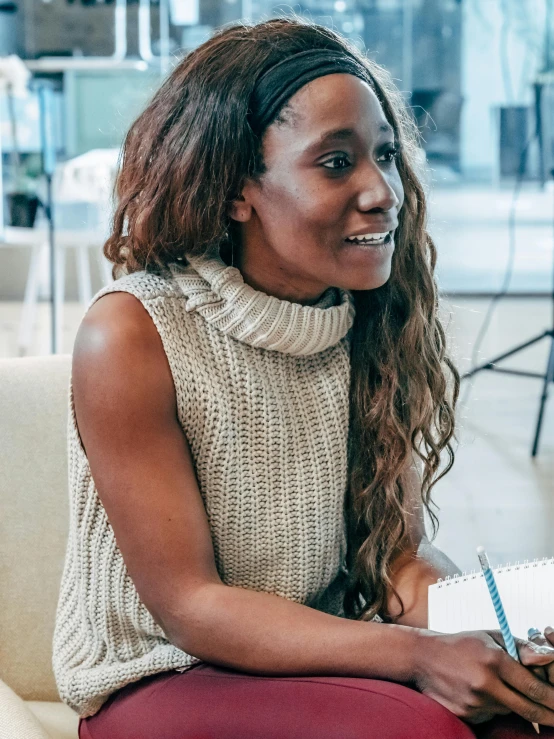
{"x":463,"y":603}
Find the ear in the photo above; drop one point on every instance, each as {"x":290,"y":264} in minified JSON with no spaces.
{"x":240,"y":210}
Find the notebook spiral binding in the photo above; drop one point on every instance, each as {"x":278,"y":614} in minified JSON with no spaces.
{"x":509,"y":567}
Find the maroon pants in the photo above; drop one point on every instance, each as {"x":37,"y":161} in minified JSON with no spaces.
{"x":208,"y":702}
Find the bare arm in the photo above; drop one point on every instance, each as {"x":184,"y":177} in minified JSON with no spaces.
{"x":141,"y":463}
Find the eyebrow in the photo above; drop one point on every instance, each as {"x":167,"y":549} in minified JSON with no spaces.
{"x":342,"y":134}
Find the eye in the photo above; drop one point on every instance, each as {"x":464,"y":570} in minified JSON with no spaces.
{"x":334,"y":159}
{"x":390,"y":155}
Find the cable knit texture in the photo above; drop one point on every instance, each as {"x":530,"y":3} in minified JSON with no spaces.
{"x":262,"y":388}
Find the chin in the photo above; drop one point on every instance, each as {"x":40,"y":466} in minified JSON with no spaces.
{"x":362,"y":268}
{"x":366,"y":282}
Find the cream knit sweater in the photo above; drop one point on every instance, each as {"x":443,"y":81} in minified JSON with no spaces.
{"x":262,"y":389}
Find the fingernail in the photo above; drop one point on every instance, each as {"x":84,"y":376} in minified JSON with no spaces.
{"x":549,"y":630}
{"x":533,"y":632}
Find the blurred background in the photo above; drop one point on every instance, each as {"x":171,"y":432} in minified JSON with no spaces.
{"x":478,"y":76}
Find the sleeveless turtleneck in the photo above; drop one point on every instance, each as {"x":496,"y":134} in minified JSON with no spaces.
{"x":221,"y":296}
{"x":262,"y":390}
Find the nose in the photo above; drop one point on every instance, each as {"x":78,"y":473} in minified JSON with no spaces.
{"x":376,"y":190}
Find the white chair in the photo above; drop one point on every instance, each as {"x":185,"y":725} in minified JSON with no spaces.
{"x":82,"y":243}
{"x":82,"y":189}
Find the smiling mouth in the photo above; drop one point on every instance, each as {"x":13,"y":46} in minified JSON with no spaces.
{"x":374,"y":240}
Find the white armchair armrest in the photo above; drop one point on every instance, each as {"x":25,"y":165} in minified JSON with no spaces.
{"x":16,"y":720}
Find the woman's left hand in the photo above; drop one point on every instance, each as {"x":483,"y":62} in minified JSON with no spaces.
{"x":545,"y":639}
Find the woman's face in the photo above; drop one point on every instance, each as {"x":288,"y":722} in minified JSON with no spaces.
{"x":319,"y":189}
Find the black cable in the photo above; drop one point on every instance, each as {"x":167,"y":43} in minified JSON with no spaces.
{"x":509,"y":265}
{"x":516,"y":193}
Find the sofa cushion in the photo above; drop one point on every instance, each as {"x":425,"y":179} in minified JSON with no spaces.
{"x":17,"y":721}
{"x":34,"y":521}
{"x":58,"y":719}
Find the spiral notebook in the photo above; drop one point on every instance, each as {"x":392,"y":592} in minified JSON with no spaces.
{"x":463,"y":603}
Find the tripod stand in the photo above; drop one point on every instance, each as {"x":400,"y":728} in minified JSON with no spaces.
{"x":547,"y":377}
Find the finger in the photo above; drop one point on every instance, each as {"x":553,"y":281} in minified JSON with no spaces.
{"x":498,"y":638}
{"x":548,"y":669}
{"x":547,"y":672}
{"x":528,"y":709}
{"x":535,"y":637}
{"x":519,"y":678}
{"x":541,"y":672}
{"x":533,"y":653}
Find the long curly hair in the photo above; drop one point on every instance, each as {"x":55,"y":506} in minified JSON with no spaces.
{"x":184,"y":161}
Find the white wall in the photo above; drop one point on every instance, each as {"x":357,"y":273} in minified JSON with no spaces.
{"x":488,"y":27}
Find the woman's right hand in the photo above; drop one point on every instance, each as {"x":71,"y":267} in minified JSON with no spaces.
{"x":474,"y":677}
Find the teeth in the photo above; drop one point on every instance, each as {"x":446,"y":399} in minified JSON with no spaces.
{"x":369,"y":237}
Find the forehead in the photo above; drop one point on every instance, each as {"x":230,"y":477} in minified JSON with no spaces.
{"x":330,"y":102}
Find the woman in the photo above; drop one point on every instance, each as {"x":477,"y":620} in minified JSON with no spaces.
{"x":249,"y":406}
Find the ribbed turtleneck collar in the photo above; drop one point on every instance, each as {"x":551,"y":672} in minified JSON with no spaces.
{"x":220,"y":295}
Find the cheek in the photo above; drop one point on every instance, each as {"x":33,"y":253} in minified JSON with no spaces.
{"x":311,"y":209}
{"x":285,"y":205}
{"x":321,"y":210}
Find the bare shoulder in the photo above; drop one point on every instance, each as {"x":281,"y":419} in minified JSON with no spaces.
{"x":119,"y":360}
{"x":117,"y":321}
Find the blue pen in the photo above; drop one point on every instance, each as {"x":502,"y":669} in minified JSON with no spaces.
{"x":499,"y":608}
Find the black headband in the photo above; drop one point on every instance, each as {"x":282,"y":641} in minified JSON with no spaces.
{"x":279,"y":83}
